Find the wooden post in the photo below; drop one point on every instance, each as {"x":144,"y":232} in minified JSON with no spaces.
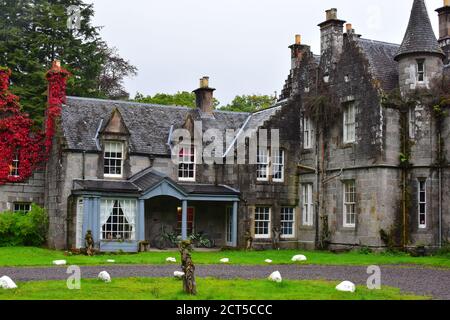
{"x":189,"y":284}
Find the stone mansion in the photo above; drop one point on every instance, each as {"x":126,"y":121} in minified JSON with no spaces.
{"x":336,"y":183}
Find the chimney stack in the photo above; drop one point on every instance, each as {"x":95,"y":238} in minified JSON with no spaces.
{"x":444,"y":29}
{"x":332,"y":39}
{"x":204,"y":96}
{"x":298,"y":51}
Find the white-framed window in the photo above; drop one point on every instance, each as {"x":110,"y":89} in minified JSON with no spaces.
{"x":350,"y":123}
{"x":262,"y":222}
{"x":113,"y":159}
{"x":412,"y":122}
{"x":186,"y":166}
{"x":422,"y":203}
{"x":421,"y":70}
{"x":308,"y":133}
{"x":117,"y":219}
{"x":79,"y":226}
{"x":14,"y":167}
{"x":262,"y":165}
{"x":349,"y":204}
{"x":287,"y":222}
{"x":278,"y":166}
{"x":22,"y":207}
{"x":308,"y":204}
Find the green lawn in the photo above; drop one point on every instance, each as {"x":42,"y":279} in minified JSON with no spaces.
{"x":27,"y":256}
{"x":208,"y":289}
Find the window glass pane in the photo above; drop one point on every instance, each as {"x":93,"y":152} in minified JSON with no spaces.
{"x":186,"y":168}
{"x":118,"y":219}
{"x":113,"y":158}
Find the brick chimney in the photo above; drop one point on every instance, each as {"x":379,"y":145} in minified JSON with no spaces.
{"x":331,"y":40}
{"x":298,"y":51}
{"x":56,"y":90}
{"x":444,"y":29}
{"x":56,"y":97}
{"x":204,"y":96}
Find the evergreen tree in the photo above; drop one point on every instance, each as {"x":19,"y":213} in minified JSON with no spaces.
{"x":33,"y":33}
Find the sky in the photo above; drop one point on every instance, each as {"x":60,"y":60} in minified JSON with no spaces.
{"x":242,"y":45}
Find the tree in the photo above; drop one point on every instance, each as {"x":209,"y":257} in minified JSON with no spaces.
{"x":115,"y":69}
{"x":33,"y":33}
{"x":183,"y":98}
{"x":250,"y":103}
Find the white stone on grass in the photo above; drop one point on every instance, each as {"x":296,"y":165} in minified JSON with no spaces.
{"x":225,"y":260}
{"x":268,"y":261}
{"x":171,"y":259}
{"x":178,"y":274}
{"x":104,"y":276}
{"x":60,"y":262}
{"x":276,"y":277}
{"x":110,"y":261}
{"x":7,"y":283}
{"x":299,"y":258}
{"x":346,"y":286}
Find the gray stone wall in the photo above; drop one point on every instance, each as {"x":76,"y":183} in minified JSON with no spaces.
{"x":30,"y":191}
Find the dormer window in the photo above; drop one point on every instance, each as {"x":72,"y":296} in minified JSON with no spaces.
{"x":113,"y":159}
{"x":14,"y":167}
{"x":421,"y":70}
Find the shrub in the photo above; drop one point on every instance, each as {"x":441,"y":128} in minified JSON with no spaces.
{"x":24,"y":229}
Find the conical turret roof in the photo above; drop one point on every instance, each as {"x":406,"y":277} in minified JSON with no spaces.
{"x":419,"y":37}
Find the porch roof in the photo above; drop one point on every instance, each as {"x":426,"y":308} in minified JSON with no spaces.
{"x":150,"y":183}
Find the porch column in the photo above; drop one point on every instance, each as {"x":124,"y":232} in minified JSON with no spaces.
{"x":234,"y":234}
{"x":141,"y":220}
{"x":96,"y":219}
{"x":86,"y":217}
{"x":184,"y":221}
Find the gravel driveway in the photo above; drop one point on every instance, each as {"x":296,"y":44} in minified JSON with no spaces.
{"x":417,"y":280}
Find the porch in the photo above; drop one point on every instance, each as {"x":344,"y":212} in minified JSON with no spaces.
{"x":152,"y":208}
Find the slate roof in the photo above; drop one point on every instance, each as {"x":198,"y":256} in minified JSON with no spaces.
{"x":419,"y":37}
{"x":106,"y":186}
{"x":382,"y":64}
{"x":149,"y":125}
{"x":146,"y":180}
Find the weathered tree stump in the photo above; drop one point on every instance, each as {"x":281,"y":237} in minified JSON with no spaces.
{"x":89,"y":243}
{"x":189,"y":284}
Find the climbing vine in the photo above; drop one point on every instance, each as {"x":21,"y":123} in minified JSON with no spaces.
{"x":436,"y":100}
{"x":23,"y":150}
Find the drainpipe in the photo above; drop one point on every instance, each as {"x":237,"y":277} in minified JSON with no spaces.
{"x":318,"y":202}
{"x":83,"y":172}
{"x":440,"y":207}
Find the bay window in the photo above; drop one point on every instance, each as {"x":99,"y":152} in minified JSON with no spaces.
{"x":117,"y":219}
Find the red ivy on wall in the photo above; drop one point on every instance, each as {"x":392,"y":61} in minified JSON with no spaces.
{"x":17,"y":139}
